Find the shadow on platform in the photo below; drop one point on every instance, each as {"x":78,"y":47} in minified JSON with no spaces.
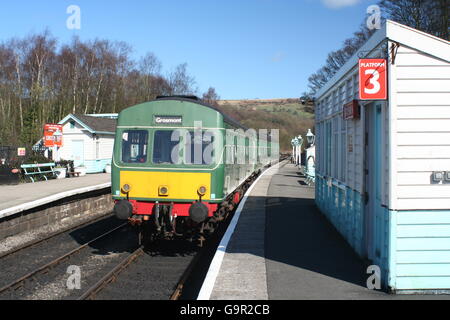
{"x":297,"y":234}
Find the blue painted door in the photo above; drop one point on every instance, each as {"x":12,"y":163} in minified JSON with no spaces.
{"x":373,"y":182}
{"x":78,"y":152}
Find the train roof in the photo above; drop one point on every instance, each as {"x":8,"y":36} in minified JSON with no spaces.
{"x":196,"y":100}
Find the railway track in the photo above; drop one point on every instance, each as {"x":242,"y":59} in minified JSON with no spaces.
{"x":53,"y":235}
{"x":163,"y":276}
{"x":20,"y":282}
{"x":141,"y":274}
{"x":91,"y":293}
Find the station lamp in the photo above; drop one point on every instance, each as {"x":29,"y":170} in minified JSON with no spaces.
{"x":300,"y":140}
{"x":310,"y":137}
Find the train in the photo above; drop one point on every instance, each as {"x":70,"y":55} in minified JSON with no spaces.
{"x":180,"y":166}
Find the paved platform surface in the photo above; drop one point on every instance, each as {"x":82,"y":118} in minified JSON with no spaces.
{"x":28,"y":195}
{"x":282,"y":247}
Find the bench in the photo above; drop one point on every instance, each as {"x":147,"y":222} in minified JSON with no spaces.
{"x":48,"y":166}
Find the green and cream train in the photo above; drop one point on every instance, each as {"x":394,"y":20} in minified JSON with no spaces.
{"x":179,"y":163}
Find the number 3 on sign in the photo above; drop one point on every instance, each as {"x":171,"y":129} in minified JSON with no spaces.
{"x":375,"y":76}
{"x":372,"y":79}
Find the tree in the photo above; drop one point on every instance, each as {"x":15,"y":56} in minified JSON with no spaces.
{"x":181,"y":82}
{"x":211,"y":97}
{"x":41,"y":82}
{"x":430,"y":16}
{"x":150,"y":68}
{"x":336,"y":59}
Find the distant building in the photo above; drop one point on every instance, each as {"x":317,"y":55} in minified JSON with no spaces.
{"x":88,"y":140}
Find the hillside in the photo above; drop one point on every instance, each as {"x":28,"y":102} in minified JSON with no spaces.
{"x":288,"y":115}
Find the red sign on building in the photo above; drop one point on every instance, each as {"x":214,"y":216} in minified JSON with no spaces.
{"x":351,"y":110}
{"x":372,"y":79}
{"x":53,"y":135}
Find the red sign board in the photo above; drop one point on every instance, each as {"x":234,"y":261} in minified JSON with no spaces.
{"x":21,"y":152}
{"x":351,"y":110}
{"x":372,"y":79}
{"x":53,"y":135}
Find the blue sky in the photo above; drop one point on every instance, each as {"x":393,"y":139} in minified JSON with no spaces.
{"x":244,"y":48}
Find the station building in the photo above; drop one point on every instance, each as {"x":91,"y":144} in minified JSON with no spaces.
{"x":383,"y":173}
{"x":88,"y":140}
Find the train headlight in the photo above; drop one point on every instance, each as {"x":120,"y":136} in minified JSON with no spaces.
{"x":126,"y":188}
{"x":202,"y":190}
{"x":163,"y":191}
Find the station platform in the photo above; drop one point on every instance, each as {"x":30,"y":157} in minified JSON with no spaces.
{"x":280,"y":247}
{"x":26,"y":196}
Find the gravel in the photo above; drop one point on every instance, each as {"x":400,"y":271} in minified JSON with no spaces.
{"x":98,"y":254}
{"x":27,"y":237}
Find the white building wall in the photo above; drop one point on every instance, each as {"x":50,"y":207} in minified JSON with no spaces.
{"x":106,"y":146}
{"x":422,"y":129}
{"x":106,"y":143}
{"x":69,"y":135}
{"x":351,"y":137}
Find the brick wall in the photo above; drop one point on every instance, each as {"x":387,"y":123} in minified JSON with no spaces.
{"x":80,"y":207}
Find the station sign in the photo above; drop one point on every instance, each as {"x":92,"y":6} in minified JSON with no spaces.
{"x":53,"y":135}
{"x":372,"y":79}
{"x":21,"y":152}
{"x":168,"y":119}
{"x":351,"y":110}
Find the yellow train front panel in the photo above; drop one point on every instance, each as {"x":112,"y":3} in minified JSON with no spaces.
{"x":178,"y":185}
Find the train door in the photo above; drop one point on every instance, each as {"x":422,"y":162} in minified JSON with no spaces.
{"x":373,"y":179}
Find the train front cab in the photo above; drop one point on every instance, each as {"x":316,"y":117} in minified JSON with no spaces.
{"x":147,"y":181}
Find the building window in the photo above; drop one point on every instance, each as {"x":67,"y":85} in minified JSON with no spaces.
{"x":349,"y":89}
{"x":335,"y":147}
{"x":328,"y":148}
{"x":342,"y":99}
{"x":356,"y":86}
{"x":343,"y":149}
{"x":72,"y":124}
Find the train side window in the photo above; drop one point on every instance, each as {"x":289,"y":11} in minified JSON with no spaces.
{"x":134,"y":146}
{"x":205,"y":140}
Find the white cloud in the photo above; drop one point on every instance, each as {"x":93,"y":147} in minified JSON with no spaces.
{"x":334,"y":4}
{"x":277,"y":57}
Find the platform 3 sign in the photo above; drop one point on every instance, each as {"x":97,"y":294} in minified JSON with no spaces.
{"x":372,"y":79}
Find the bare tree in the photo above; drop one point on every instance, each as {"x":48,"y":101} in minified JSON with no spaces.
{"x":150,"y":69}
{"x":430,"y":16}
{"x":181,"y":82}
{"x":211,"y":97}
{"x":41,"y":83}
{"x":336,"y":59}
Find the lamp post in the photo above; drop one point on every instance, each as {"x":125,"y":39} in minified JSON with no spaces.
{"x":310,"y":137}
{"x":293,"y":150}
{"x":310,"y":156}
{"x":299,"y":149}
{"x":296,"y":143}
